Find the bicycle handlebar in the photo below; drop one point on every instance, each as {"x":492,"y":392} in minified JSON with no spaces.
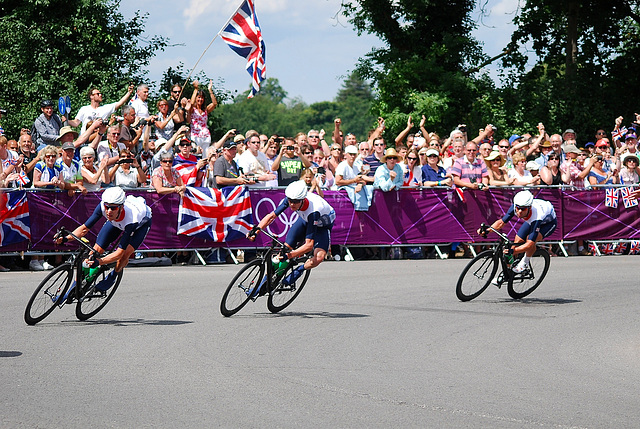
{"x":484,"y":229}
{"x":275,"y":239}
{"x":63,"y":232}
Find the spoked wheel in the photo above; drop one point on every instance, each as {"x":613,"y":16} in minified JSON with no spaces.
{"x":521,"y":285}
{"x":93,"y":300}
{"x":284,"y":294}
{"x":476,"y":276}
{"x":242,"y":287}
{"x":48,"y":293}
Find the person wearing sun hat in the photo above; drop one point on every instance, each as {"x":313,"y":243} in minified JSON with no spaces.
{"x":389,"y":174}
{"x":574,"y":173}
{"x":629,"y":173}
{"x":432,"y":173}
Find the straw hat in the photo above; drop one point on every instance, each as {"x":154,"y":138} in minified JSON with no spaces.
{"x":390,"y":153}
{"x":495,"y":155}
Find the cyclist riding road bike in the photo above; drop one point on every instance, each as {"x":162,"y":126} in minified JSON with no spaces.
{"x":128,"y":214}
{"x":313,"y":226}
{"x":539,"y":222}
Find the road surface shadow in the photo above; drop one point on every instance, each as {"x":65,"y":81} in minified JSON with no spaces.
{"x":302,"y":315}
{"x":9,"y":353}
{"x":134,"y":322}
{"x":540,"y":301}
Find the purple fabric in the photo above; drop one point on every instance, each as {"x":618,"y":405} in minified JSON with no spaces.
{"x":408,"y":216}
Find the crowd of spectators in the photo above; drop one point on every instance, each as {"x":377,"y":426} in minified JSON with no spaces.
{"x":173,"y":148}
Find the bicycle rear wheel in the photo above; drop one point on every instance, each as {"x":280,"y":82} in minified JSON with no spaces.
{"x":48,"y":293}
{"x":91,"y":301}
{"x":521,"y":285}
{"x":242,"y":287}
{"x":283,"y":295}
{"x":476,"y":276}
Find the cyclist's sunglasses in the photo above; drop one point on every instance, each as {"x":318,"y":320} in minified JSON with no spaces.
{"x":522,"y":207}
{"x":112,"y":206}
{"x":294,"y":201}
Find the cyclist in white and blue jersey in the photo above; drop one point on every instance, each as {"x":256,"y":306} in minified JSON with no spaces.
{"x":312,"y":228}
{"x":539,"y":222}
{"x":128,"y":215}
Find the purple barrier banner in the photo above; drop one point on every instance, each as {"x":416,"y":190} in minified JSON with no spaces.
{"x":408,"y":216}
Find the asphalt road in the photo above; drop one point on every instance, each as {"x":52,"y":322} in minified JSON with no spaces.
{"x":367,"y":344}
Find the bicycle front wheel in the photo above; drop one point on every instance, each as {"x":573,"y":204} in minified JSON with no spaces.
{"x":521,"y":285}
{"x":48,"y":293}
{"x":242,"y":287}
{"x":476,"y":276}
{"x":284,"y":294}
{"x":91,"y":300}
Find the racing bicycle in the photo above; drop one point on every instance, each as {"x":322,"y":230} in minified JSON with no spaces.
{"x":482,"y":269}
{"x":264,"y":276}
{"x":61,"y":286}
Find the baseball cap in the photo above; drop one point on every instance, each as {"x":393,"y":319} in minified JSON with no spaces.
{"x":432,"y":152}
{"x":631,"y":135}
{"x":351,"y":149}
{"x":514,"y":138}
{"x":68,"y":145}
{"x":230,"y":144}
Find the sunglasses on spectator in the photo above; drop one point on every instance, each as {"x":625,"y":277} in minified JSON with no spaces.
{"x":432,"y":156}
{"x":112,"y":207}
{"x":166,"y":161}
{"x":337,"y":148}
{"x":411,"y":158}
{"x":601,"y":134}
{"x":185,"y":144}
{"x":87,"y":157}
{"x":472,"y":150}
{"x":314,"y":137}
{"x":308,"y":153}
{"x":503,"y":146}
{"x":175,"y":92}
{"x":378,"y":144}
{"x":50,"y":156}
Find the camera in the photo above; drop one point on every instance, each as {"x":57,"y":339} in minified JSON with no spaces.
{"x":322,"y":170}
{"x":125,"y":161}
{"x":141,"y":123}
{"x":279,"y":139}
{"x":290,"y":148}
{"x":462,"y":128}
{"x":599,"y":158}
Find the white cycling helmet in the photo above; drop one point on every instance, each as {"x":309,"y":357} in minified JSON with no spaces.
{"x":523,"y":199}
{"x":296,"y":190}
{"x":114,"y":195}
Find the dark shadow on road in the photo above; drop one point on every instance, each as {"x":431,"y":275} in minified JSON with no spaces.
{"x":9,"y":353}
{"x":538,"y":301}
{"x":134,"y":322}
{"x":317,"y":315}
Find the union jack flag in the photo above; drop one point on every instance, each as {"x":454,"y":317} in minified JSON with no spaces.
{"x":627,"y":199}
{"x":608,"y":248}
{"x":635,"y":247}
{"x":187,"y":170}
{"x":218,"y":215}
{"x":244,"y":36}
{"x":15,"y":225}
{"x":621,"y":248}
{"x":619,"y":133}
{"x":611,"y":198}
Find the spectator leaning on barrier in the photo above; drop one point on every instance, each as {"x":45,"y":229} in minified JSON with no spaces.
{"x":497,"y":175}
{"x":550,"y":174}
{"x":127,"y":172}
{"x":255,"y":163}
{"x":432,"y":173}
{"x":389,"y":175}
{"x":165,"y":179}
{"x":519,"y":172}
{"x":225,"y":169}
{"x":598,"y":176}
{"x":92,"y":177}
{"x":629,"y":173}
{"x":470,"y":171}
{"x":412,"y":172}
{"x":71,"y":169}
{"x":29,"y":156}
{"x":349,"y":178}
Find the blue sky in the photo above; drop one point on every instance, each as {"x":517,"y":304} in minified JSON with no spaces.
{"x":309,"y":48}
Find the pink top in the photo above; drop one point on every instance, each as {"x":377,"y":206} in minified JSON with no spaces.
{"x":199,"y":124}
{"x":167,"y":182}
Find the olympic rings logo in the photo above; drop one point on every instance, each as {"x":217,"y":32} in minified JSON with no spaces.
{"x":266,"y":206}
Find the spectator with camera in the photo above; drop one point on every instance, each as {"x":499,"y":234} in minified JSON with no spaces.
{"x":95,"y":109}
{"x":110,"y":149}
{"x":254,"y":164}
{"x":573,"y":172}
{"x":470,"y":171}
{"x":46,"y":126}
{"x":290,"y":162}
{"x":127,"y":172}
{"x":131,"y":129}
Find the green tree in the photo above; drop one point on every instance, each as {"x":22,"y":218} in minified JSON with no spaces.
{"x":586,"y":52}
{"x":428,"y":59}
{"x":51,"y":48}
{"x":353,"y":104}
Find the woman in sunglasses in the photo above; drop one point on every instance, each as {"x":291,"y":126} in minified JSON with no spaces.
{"x":411,"y":168}
{"x":47,"y":173}
{"x":312,"y":228}
{"x":128,"y":215}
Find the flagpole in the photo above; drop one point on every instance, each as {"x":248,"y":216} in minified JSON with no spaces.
{"x":207,"y":48}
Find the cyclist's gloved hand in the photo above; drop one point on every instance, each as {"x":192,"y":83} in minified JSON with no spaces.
{"x":283,"y":256}
{"x":252,"y":234}
{"x":91,"y":262}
